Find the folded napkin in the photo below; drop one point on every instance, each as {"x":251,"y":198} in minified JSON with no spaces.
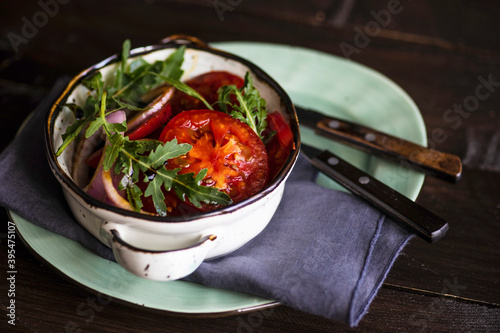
{"x":324,"y":252}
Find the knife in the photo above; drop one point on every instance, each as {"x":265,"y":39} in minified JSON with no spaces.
{"x":404,"y":211}
{"x":435,"y":163}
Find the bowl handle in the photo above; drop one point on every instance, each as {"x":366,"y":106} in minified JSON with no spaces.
{"x":181,"y":39}
{"x":157,"y":265}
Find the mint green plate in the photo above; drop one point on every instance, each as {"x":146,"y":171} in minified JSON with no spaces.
{"x":312,"y":79}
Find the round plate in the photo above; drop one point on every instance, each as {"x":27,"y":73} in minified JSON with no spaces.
{"x":312,"y":79}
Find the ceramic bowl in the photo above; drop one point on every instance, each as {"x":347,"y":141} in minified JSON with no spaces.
{"x":169,"y":248}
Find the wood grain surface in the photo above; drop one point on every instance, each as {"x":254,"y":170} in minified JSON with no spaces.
{"x":445,"y":54}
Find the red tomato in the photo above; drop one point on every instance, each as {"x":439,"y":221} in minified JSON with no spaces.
{"x":234,"y":155}
{"x":207,"y":86}
{"x":152,"y":124}
{"x":93,"y":160}
{"x":279,"y":146}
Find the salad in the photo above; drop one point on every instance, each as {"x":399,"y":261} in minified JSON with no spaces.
{"x":152,"y":143}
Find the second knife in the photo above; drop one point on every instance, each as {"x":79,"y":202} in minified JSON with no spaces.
{"x":404,"y":211}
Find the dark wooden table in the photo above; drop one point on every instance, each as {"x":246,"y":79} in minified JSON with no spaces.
{"x":445,"y":54}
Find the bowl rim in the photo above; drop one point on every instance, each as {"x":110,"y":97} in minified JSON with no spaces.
{"x":64,"y":178}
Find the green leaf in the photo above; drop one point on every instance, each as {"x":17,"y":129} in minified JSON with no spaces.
{"x":94,"y":126}
{"x":112,"y":150}
{"x":71,"y":133}
{"x":138,"y":66}
{"x":124,"y":105}
{"x":95,"y":83}
{"x":250,"y":109}
{"x":173,"y":64}
{"x":154,"y":190}
{"x":142,"y":146}
{"x":184,"y":88}
{"x":135,"y":82}
{"x":125,"y":55}
{"x":122,"y":68}
{"x":134,"y":194}
{"x":169,"y":150}
{"x":143,"y":77}
{"x":118,"y":127}
{"x":186,"y":186}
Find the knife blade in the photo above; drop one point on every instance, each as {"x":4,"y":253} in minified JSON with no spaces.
{"x":404,"y":211}
{"x":435,"y":163}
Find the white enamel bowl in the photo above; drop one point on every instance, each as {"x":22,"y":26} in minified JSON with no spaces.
{"x":169,"y":248}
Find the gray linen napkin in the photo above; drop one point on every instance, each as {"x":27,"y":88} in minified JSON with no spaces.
{"x":324,"y":252}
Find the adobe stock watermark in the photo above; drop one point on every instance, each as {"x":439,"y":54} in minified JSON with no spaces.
{"x":223,"y":6}
{"x":254,"y":320}
{"x":296,"y":281}
{"x":453,"y":116}
{"x":423,"y":318}
{"x":31,"y":26}
{"x":87,"y":310}
{"x":11,"y":273}
{"x":470,"y":104}
{"x":381,"y":19}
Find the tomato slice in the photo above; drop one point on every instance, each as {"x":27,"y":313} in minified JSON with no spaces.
{"x":93,"y":160}
{"x":207,"y":86}
{"x":279,"y":146}
{"x":152,"y":124}
{"x":233,"y":154}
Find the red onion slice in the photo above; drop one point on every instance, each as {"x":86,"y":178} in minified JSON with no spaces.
{"x":84,"y":149}
{"x":95,"y":187}
{"x":112,"y":193}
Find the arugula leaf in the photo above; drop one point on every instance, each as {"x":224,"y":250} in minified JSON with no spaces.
{"x":123,"y":105}
{"x":95,"y":83}
{"x":135,"y":80}
{"x":190,"y":187}
{"x":134,"y":197}
{"x":172,"y":66}
{"x":124,"y":56}
{"x":93,"y":127}
{"x":71,"y":133}
{"x":250,"y":107}
{"x":169,"y":150}
{"x":154,"y":191}
{"x":137,"y":66}
{"x":184,"y":88}
{"x":112,"y":150}
{"x":122,"y":69}
{"x":143,"y":77}
{"x":84,"y":116}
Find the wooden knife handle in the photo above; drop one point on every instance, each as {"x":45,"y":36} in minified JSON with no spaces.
{"x":439,"y":164}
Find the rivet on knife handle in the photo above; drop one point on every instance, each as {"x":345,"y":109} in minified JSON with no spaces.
{"x":439,"y":164}
{"x":404,"y":211}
